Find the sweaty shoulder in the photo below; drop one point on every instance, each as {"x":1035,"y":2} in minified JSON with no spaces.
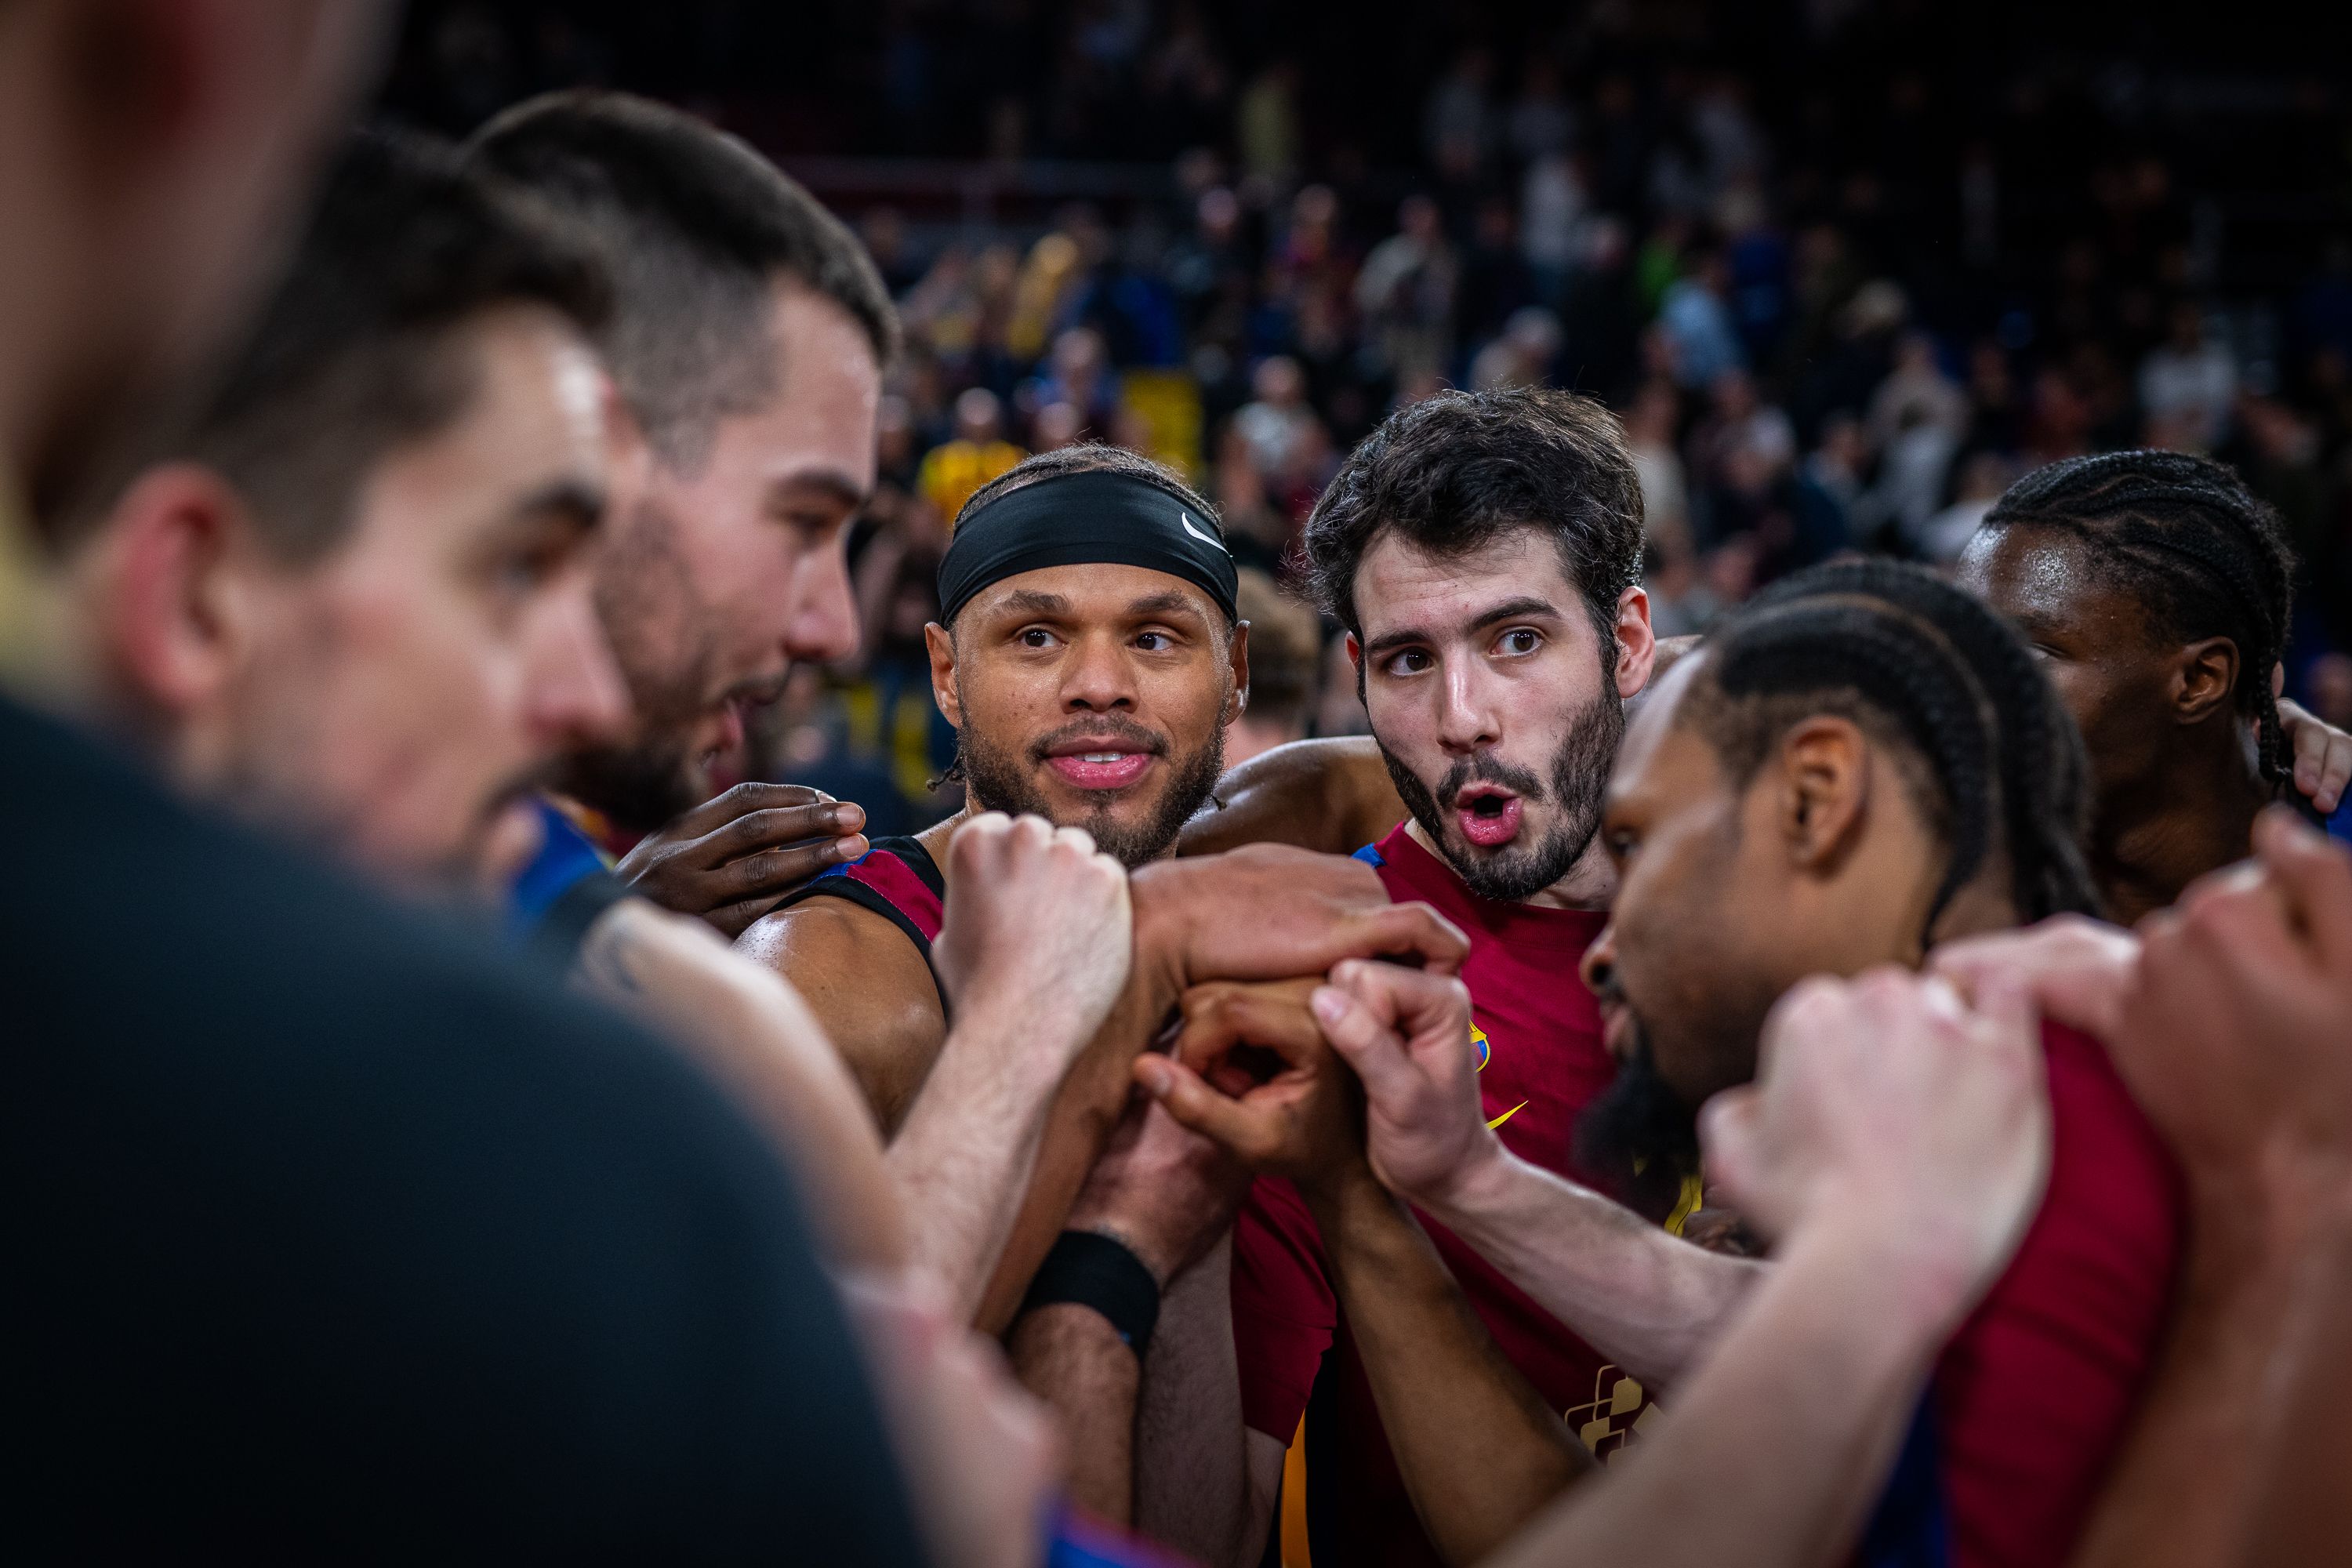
{"x":869,"y":987}
{"x":1331,"y":796}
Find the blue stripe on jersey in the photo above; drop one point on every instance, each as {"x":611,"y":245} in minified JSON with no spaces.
{"x":1370,"y":856}
{"x":565,"y":858}
{"x":1912,"y":1527}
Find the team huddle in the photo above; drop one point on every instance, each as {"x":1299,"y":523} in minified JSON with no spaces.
{"x":1650,"y":1101}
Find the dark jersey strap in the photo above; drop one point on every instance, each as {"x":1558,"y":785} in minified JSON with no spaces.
{"x":898,"y":879}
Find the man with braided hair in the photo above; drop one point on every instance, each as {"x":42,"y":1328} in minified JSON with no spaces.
{"x":1859,"y":766}
{"x":2157,"y":590}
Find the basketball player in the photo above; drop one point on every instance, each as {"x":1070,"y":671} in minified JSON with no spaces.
{"x":2158,"y":591}
{"x":354,"y":602}
{"x":2158,"y":587}
{"x":1482,"y":551}
{"x":1090,"y":658}
{"x":748,"y":335}
{"x":316,"y":1132}
{"x":1874,"y":760}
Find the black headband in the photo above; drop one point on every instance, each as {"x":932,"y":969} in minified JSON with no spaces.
{"x":1082,"y":518}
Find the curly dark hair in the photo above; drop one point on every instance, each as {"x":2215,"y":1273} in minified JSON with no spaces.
{"x":1455,"y":472}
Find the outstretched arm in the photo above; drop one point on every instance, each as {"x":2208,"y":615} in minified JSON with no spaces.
{"x":1648,"y":1301}
{"x":1331,"y":796}
{"x":1166,"y":1196}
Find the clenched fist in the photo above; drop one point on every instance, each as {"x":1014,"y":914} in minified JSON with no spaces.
{"x":1887,"y":1107}
{"x":1037,"y":938}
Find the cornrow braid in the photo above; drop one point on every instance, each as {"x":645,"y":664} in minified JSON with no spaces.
{"x":2044,"y":775}
{"x":1887,"y":669}
{"x":2185,"y":536}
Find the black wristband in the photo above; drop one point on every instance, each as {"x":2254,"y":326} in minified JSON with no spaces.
{"x":1090,"y":1269}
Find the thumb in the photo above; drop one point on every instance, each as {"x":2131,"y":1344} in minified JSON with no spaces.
{"x":1366,"y":1045}
{"x":1192,"y":1104}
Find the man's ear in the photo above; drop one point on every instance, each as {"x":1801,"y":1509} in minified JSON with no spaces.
{"x":940,"y":645}
{"x":1824,"y":789}
{"x":2204,"y":677}
{"x":176,"y":616}
{"x":1239,"y":655}
{"x":1637,"y":645}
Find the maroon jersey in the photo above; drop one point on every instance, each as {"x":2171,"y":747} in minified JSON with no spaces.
{"x":2032,"y":1397}
{"x":895,"y":878}
{"x":1538,"y":1032}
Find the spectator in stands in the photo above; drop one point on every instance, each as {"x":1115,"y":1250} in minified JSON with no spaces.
{"x":1285,"y":665}
{"x":2188,"y":383}
{"x":979,"y":452}
{"x":1698,"y":324}
{"x":1406,"y":289}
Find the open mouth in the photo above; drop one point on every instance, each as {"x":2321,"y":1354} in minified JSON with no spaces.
{"x":1489,"y":815}
{"x":1099,"y":764}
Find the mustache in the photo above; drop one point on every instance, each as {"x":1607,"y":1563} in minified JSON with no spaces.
{"x":1110,"y":727}
{"x":1487,"y":768}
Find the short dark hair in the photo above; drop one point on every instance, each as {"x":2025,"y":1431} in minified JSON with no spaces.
{"x":2184,"y":536}
{"x":1453,"y":473}
{"x":694,"y":226}
{"x":1994,"y":761}
{"x":353,"y":353}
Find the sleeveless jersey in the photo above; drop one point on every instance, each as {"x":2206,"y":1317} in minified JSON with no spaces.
{"x":2032,"y":1397}
{"x":898,"y":879}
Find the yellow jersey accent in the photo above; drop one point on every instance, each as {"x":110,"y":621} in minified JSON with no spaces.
{"x":1507,"y":1114}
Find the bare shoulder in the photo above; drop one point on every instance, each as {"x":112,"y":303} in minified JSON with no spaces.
{"x":1332,"y":795}
{"x":867,"y":986}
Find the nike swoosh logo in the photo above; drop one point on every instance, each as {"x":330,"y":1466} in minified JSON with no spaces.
{"x":1507,"y":1115}
{"x":1208,"y":538}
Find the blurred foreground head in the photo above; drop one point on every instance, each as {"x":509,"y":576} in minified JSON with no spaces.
{"x":354,"y":602}
{"x":150,"y":153}
{"x":748,"y":336}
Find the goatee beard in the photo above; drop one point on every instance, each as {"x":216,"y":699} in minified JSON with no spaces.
{"x":993,"y":781}
{"x":1579,"y":774}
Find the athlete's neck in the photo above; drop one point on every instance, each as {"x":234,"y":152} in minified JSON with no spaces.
{"x":2197,"y":817}
{"x":1590,"y":882}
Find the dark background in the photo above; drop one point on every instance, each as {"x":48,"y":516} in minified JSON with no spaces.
{"x":1847,"y":267}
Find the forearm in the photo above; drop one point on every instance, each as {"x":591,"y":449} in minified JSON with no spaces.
{"x":1647,"y":1301}
{"x":2183,"y":1488}
{"x":963,"y":1157}
{"x":1825,"y":1390}
{"x":1480,"y":1451}
{"x":2300,"y":1514}
{"x":1077,"y":1124}
{"x":1191,"y":1475}
{"x":750,"y":1029}
{"x":1070,"y":1357}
